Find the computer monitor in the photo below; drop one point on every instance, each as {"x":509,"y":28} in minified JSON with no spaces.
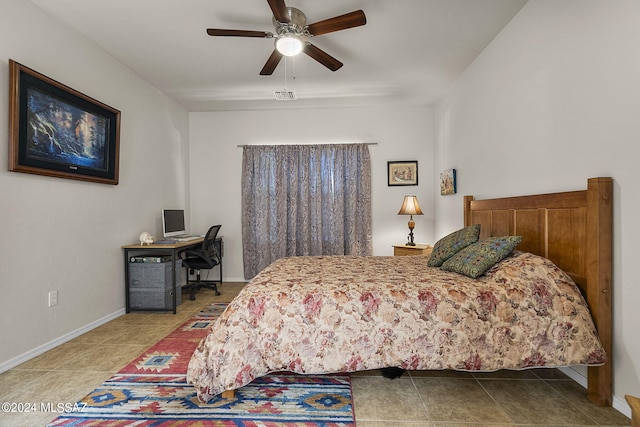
{"x":173,"y":222}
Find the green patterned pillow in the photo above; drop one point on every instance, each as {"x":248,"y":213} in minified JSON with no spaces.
{"x":450,"y":244}
{"x":476,"y":259}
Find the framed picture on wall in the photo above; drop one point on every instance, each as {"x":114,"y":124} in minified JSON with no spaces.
{"x":57,"y":131}
{"x":402,"y":173}
{"x":448,"y":182}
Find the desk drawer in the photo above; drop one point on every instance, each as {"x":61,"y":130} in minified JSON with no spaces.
{"x":153,"y":298}
{"x":155,"y":275}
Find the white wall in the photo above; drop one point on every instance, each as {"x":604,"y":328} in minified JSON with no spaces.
{"x":554,"y":100}
{"x":215,"y":165}
{"x":65,"y":235}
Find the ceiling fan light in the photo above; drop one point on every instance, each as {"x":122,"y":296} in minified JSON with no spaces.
{"x":289,"y":45}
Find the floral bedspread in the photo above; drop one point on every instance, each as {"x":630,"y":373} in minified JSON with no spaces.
{"x":343,"y":314}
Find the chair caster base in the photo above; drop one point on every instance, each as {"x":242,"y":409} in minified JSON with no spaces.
{"x":197,"y":285}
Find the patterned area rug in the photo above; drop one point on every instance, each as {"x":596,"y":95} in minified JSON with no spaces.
{"x":152,"y":391}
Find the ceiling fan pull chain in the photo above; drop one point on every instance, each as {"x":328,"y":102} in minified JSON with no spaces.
{"x":285,"y":73}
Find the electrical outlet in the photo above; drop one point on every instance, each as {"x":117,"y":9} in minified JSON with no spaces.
{"x":53,"y":298}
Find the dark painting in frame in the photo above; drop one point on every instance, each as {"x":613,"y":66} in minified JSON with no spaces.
{"x":57,"y":131}
{"x":402,"y":173}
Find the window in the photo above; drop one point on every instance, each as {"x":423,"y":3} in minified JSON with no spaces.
{"x":304,"y":200}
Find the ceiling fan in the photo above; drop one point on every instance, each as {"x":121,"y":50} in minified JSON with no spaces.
{"x":292,"y":34}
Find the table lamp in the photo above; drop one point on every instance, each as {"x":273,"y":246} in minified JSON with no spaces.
{"x":410,"y":207}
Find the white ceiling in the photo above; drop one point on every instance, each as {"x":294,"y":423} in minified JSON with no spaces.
{"x":408,"y":53}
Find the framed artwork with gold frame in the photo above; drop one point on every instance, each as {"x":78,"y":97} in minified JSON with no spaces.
{"x":402,"y":173}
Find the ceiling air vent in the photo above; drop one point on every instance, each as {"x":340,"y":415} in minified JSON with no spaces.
{"x":284,"y":95}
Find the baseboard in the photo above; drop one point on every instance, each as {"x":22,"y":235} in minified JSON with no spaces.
{"x":235,"y":280}
{"x":618,"y":404}
{"x":575,"y":375}
{"x":12,"y":363}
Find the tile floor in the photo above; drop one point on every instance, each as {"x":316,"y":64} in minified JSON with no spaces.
{"x":435,"y":399}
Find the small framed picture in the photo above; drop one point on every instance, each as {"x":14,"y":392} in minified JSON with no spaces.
{"x":448,"y":182}
{"x":402,"y":173}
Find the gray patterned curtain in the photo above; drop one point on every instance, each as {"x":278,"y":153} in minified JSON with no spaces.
{"x":304,"y":200}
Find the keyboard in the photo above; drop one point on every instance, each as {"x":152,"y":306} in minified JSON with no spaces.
{"x":185,"y":238}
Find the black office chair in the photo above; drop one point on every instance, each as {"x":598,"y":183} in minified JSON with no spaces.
{"x":204,"y":258}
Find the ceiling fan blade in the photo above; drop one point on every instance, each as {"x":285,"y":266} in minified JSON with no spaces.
{"x":279,"y":10}
{"x":271,"y":64}
{"x":342,"y":22}
{"x":322,"y":57}
{"x":239,"y":33}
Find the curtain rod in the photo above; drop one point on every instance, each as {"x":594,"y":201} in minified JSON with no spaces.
{"x":336,"y":143}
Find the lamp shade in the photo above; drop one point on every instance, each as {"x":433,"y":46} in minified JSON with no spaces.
{"x":410,"y":206}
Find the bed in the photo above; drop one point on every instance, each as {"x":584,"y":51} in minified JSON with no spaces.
{"x":344,"y":314}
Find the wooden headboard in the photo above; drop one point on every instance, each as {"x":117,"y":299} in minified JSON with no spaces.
{"x":574,"y":230}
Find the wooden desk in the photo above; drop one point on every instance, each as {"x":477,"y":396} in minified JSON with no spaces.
{"x":160,"y":249}
{"x":418,"y":249}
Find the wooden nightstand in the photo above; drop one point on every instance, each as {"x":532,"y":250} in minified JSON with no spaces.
{"x":418,"y":249}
